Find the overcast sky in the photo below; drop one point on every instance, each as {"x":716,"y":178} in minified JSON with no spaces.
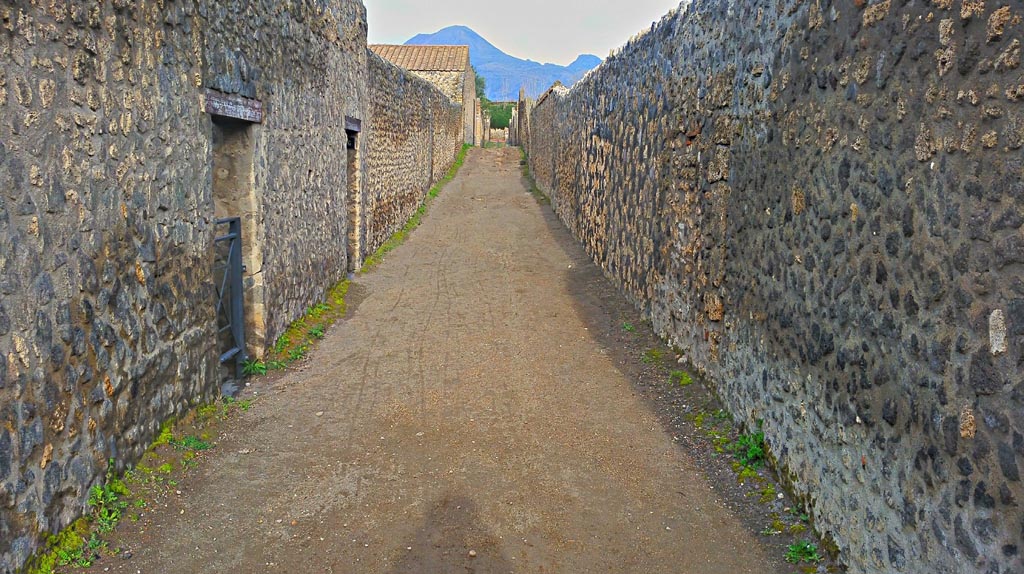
{"x":554,"y":31}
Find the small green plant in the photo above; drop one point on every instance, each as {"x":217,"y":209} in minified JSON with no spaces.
{"x":803,"y":551}
{"x":767,"y":494}
{"x":254,"y":367}
{"x":62,"y":549}
{"x":317,"y":332}
{"x":749,"y":449}
{"x":277,"y":365}
{"x":190,"y":443}
{"x":245,"y":405}
{"x":165,"y":468}
{"x":651,"y":356}
{"x":71,"y":552}
{"x":166,"y":433}
{"x":681,"y":378}
{"x":628,"y":327}
{"x":106,"y":501}
{"x":318,"y":310}
{"x":297,"y":353}
{"x":281,"y":344}
{"x":745,"y":473}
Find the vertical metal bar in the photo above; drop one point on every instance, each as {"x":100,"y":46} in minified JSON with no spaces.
{"x":237,"y":304}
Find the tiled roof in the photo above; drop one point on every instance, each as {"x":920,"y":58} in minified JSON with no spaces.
{"x":425,"y":58}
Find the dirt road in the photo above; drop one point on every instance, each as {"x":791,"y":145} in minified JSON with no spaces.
{"x":463,"y":419}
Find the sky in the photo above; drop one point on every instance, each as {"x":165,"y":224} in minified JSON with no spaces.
{"x":547,"y":31}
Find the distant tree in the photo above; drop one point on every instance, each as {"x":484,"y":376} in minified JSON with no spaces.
{"x":481,"y":85}
{"x":501,"y":114}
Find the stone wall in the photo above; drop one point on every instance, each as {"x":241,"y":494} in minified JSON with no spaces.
{"x":468,"y":95}
{"x":460,"y":87}
{"x":414,"y":136}
{"x":105,"y":239}
{"x":451,"y":84}
{"x":112,"y":174}
{"x":485,"y":122}
{"x":520,"y":125}
{"x":300,"y":170}
{"x":821,"y":204}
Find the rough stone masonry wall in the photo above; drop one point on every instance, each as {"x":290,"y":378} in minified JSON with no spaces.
{"x":468,"y":109}
{"x":107,"y":322}
{"x":460,"y":87}
{"x":414,"y":135}
{"x":821,"y":203}
{"x":449,"y":83}
{"x":300,"y":173}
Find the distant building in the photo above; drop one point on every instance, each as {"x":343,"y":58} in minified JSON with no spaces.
{"x":447,"y":67}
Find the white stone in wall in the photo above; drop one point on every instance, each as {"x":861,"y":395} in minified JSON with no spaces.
{"x":997,"y":332}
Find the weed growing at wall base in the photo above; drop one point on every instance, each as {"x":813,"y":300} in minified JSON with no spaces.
{"x":681,"y":378}
{"x":79,"y":545}
{"x":532,"y":183}
{"x":399,"y":237}
{"x":803,"y":551}
{"x":749,"y":449}
{"x":297,"y":340}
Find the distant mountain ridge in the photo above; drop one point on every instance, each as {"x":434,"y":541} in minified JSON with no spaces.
{"x":505,"y":74}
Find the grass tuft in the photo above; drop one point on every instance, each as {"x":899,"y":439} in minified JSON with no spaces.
{"x":803,"y":551}
{"x":681,"y":378}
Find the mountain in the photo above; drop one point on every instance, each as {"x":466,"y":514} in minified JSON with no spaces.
{"x":506,"y":74}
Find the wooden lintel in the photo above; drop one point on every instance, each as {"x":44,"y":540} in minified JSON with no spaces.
{"x":234,"y":106}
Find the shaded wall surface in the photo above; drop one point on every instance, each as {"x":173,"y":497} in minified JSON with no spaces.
{"x":414,"y":135}
{"x":821,"y":204}
{"x":107,"y":209}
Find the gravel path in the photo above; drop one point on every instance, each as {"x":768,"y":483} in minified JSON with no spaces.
{"x":462,"y":419}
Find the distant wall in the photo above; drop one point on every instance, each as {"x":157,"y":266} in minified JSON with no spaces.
{"x":460,"y":87}
{"x":468,"y":110}
{"x":821,"y":204}
{"x":449,"y":83}
{"x":414,"y":135}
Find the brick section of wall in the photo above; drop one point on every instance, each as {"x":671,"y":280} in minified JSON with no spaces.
{"x":821,"y":204}
{"x":414,"y":136}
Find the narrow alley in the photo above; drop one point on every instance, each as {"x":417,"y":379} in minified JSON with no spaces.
{"x":462,"y":419}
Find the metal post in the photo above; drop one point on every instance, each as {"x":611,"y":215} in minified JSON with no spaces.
{"x":237,"y":303}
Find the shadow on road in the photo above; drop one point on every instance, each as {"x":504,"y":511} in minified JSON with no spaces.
{"x":444,"y":542}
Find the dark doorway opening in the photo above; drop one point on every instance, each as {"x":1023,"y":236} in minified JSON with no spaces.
{"x":354,"y":202}
{"x":234,"y":196}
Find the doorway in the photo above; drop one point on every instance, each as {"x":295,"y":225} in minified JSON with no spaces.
{"x":234,"y":195}
{"x":355,"y":203}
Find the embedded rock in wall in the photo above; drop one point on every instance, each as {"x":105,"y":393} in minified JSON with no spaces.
{"x":820,"y":203}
